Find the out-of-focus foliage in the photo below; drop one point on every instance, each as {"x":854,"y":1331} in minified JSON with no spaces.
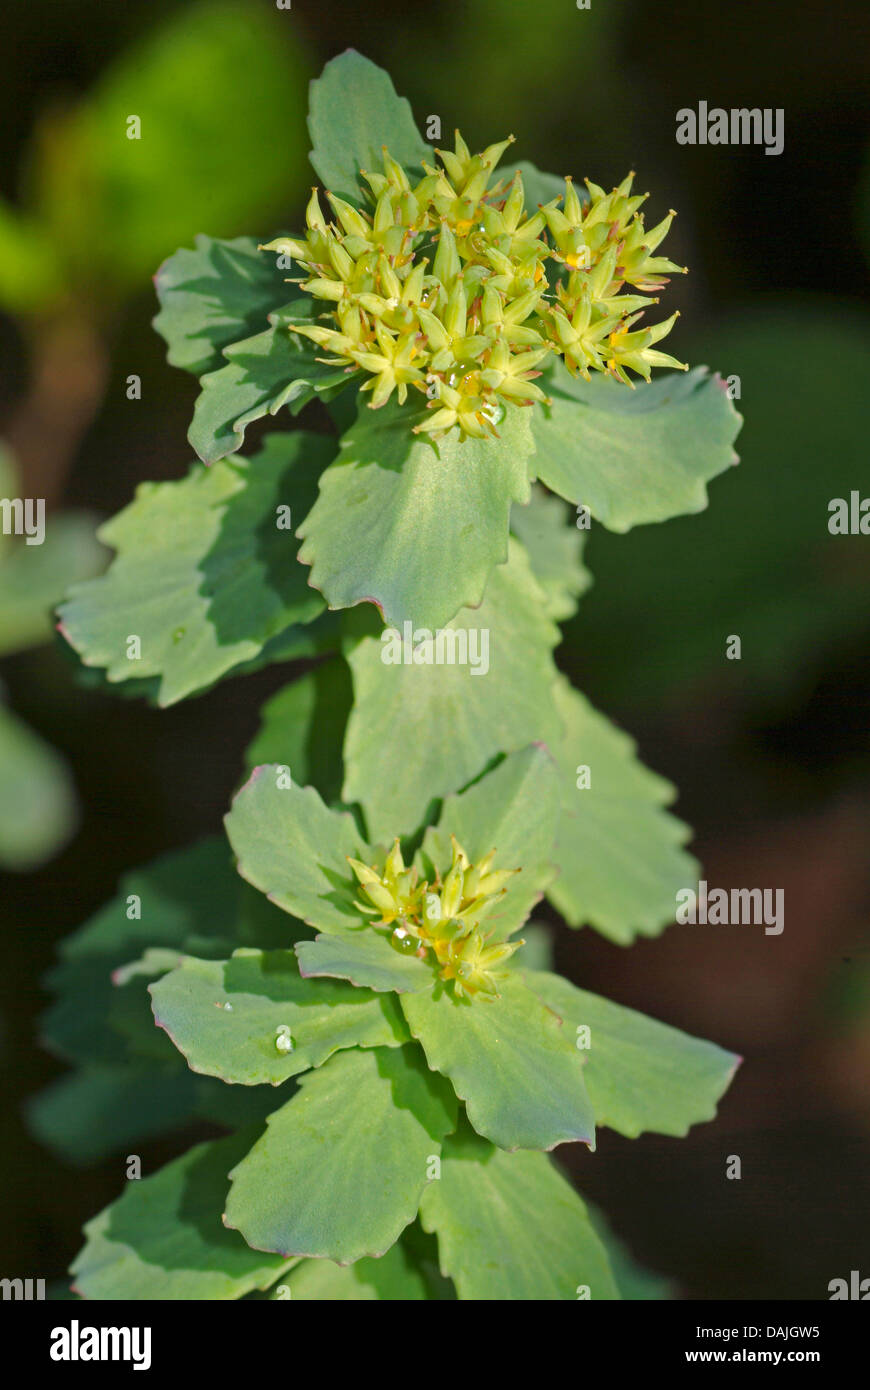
{"x":218,"y":87}
{"x":760,"y":563}
{"x":37,"y":802}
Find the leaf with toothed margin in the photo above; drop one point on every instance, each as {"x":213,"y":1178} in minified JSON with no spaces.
{"x":411,"y":525}
{"x":512,"y":810}
{"x":509,"y":1060}
{"x":212,"y":296}
{"x":366,"y":959}
{"x":395,"y":1277}
{"x":641,"y":1075}
{"x":203,"y":575}
{"x":510,"y":1227}
{"x":636,"y":456}
{"x":163,"y":1239}
{"x":295,"y":850}
{"x":354,"y":112}
{"x":341,"y":1168}
{"x":225,"y":1016}
{"x":620,"y":853}
{"x":263,"y":373}
{"x":449,"y":721}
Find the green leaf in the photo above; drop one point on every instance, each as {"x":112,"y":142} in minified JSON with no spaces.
{"x":213,"y":296}
{"x":510,"y":1061}
{"x":450,"y":720}
{"x":555,"y":548}
{"x":34,"y":578}
{"x":640,"y":1074}
{"x":354,"y":111}
{"x":510,"y":1227}
{"x":225,"y":1017}
{"x":634,"y":456}
{"x":366,"y":958}
{"x":204,"y":574}
{"x":302,"y":728}
{"x":392,"y":1278}
{"x":340,"y":1170}
{"x":513,"y":810}
{"x":619,"y":852}
{"x":37,"y":799}
{"x":184,"y":903}
{"x":262,"y":373}
{"x":97,"y":1111}
{"x":394,"y":506}
{"x":163,"y":1239}
{"x":294,"y":849}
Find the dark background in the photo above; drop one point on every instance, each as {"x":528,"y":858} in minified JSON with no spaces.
{"x":770,"y":754}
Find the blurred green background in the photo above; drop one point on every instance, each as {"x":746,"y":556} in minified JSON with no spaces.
{"x":770,"y":752}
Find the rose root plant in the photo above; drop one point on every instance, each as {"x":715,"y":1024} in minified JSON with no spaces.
{"x":474,"y":332}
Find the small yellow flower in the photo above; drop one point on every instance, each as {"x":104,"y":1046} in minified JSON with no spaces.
{"x":452,"y":288}
{"x":442,"y":919}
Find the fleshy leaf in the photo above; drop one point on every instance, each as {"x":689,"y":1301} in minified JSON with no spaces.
{"x":213,"y":296}
{"x":619,"y":852}
{"x":354,"y":112}
{"x":411,"y":525}
{"x":392,"y":1278}
{"x":340,"y":1170}
{"x":163,"y":1239}
{"x":302,"y":728}
{"x":365,"y":958}
{"x":226,"y":1017}
{"x":294,"y":849}
{"x":448,"y":720}
{"x":510,"y":1061}
{"x":510,"y":1227}
{"x":640,"y":1074}
{"x":262,"y":373}
{"x":555,"y":548}
{"x":512,"y":810}
{"x":204,"y":575}
{"x":634,"y":456}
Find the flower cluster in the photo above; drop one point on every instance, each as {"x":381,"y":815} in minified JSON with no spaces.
{"x":442,"y":918}
{"x":451,"y":287}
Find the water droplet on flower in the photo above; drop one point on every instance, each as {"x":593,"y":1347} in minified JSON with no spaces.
{"x":433,"y":907}
{"x":493,"y":412}
{"x":403,"y":942}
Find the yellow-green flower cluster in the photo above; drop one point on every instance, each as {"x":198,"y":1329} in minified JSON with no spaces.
{"x":444,"y":918}
{"x":452,"y":288}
